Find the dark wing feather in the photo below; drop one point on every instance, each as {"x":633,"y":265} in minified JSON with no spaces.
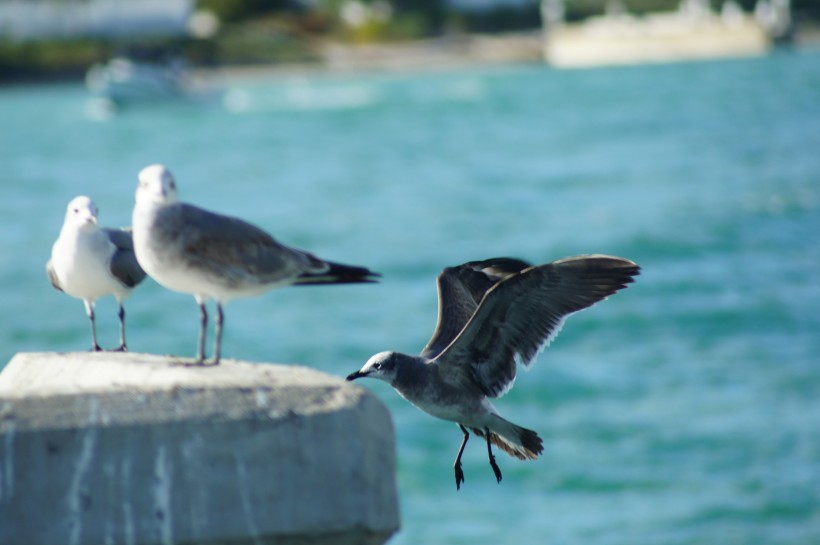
{"x":522,"y":313}
{"x":338,"y":273}
{"x":124,"y":263}
{"x":460,"y":290}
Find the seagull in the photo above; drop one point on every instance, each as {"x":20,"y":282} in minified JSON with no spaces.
{"x":89,"y":262}
{"x":211,"y":256}
{"x":493,"y":314}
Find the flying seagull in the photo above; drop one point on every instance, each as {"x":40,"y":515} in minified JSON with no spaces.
{"x":89,"y":262}
{"x":493,"y":314}
{"x":211,"y":256}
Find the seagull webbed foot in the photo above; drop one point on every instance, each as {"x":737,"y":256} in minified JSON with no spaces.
{"x":459,"y":475}
{"x":496,"y":469}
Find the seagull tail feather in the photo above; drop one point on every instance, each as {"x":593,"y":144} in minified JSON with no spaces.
{"x":338,"y":273}
{"x":516,"y":441}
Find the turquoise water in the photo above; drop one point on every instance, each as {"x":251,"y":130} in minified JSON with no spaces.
{"x":684,"y":410}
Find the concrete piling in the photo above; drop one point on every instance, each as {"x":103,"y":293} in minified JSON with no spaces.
{"x":109,"y":448}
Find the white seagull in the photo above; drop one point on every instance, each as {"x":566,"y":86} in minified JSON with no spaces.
{"x":89,"y":262}
{"x":493,"y":314}
{"x":211,"y":256}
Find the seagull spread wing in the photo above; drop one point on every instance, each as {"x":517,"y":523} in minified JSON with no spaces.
{"x":460,"y":290}
{"x":525,"y":311}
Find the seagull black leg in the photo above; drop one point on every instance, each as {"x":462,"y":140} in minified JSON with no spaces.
{"x":496,"y":470}
{"x":203,"y":324}
{"x":457,"y":465}
{"x":89,"y":309}
{"x":121,"y":314}
{"x":218,"y":334}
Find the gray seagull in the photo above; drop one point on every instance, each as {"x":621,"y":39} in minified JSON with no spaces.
{"x":493,"y":314}
{"x":89,"y":262}
{"x":211,"y":256}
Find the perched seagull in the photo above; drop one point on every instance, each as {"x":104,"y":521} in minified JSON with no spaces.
{"x":89,"y":262}
{"x":211,"y":256}
{"x":491,"y":315}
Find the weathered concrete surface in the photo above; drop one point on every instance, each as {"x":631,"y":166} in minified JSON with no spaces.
{"x":99,"y":448}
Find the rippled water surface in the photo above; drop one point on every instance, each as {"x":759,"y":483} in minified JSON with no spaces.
{"x":684,"y":410}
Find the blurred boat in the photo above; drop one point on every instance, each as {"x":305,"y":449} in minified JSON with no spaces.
{"x":124,"y":80}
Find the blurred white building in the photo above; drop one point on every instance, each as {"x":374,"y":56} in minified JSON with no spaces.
{"x":33,"y":19}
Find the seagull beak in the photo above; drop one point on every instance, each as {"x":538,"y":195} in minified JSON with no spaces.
{"x":354,"y":376}
{"x":89,"y":219}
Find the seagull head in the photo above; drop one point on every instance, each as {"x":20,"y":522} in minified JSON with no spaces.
{"x":156,"y":186}
{"x":81,"y":213}
{"x":383,"y":365}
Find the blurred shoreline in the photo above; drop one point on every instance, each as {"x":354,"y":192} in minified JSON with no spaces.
{"x":455,"y":51}
{"x":426,"y":55}
{"x":421,"y":55}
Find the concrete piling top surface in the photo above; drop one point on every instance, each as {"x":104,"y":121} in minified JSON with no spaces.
{"x":189,"y":389}
{"x":46,"y":373}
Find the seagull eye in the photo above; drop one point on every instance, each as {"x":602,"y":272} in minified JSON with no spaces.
{"x":377,"y":366}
